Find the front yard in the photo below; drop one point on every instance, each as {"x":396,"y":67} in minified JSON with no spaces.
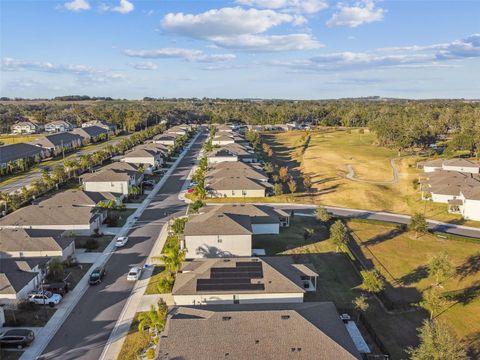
{"x":135,"y":341}
{"x":92,"y":243}
{"x":154,"y":286}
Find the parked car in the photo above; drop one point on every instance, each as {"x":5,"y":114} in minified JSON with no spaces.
{"x":97,"y":275}
{"x":121,"y":241}
{"x":148,"y":183}
{"x":190,"y":190}
{"x":134,"y":273}
{"x":45,"y":298}
{"x":60,"y":288}
{"x":17,"y":338}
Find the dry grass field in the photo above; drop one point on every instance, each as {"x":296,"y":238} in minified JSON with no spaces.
{"x":326,"y":160}
{"x":403,"y":260}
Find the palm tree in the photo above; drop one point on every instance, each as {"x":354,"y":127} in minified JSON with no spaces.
{"x":154,"y":319}
{"x":173,"y":258}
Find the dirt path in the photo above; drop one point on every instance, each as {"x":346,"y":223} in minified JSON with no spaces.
{"x":351,"y":175}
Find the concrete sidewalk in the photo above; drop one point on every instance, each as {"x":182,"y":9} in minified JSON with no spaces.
{"x":69,"y":302}
{"x":136,"y":299}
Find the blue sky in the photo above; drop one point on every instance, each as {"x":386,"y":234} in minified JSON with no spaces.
{"x":297,"y":49}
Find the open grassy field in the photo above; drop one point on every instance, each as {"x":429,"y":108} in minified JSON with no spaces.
{"x":15,"y":139}
{"x":403,"y":260}
{"x":327,"y":158}
{"x":403,"y":256}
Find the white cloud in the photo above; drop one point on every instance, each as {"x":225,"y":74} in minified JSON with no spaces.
{"x":82,"y":72}
{"x":269,"y":43}
{"x":77,"y":5}
{"x":224,"y":22}
{"x":238,"y":28}
{"x":434,"y":55}
{"x":191,"y":55}
{"x":124,"y":7}
{"x":143,"y":65}
{"x":362,"y":12}
{"x":299,"y":6}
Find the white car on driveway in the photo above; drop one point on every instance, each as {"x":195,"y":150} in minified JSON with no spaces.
{"x":134,"y":273}
{"x":45,"y":298}
{"x":121,"y":241}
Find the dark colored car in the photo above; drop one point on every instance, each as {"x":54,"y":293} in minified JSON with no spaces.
{"x":97,"y":275}
{"x":57,"y":288}
{"x":16,"y":338}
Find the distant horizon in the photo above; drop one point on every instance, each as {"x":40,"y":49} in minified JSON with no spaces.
{"x":258,"y":49}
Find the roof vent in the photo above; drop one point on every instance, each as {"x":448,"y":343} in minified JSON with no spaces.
{"x":285,"y":317}
{"x":226,"y":318}
{"x":226,"y":260}
{"x":257,"y":341}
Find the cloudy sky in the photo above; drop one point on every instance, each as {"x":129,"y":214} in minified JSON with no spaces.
{"x":298,"y":49}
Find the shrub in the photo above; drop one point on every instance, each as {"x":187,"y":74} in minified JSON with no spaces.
{"x":165,"y":285}
{"x":150,"y":354}
{"x":91,"y":244}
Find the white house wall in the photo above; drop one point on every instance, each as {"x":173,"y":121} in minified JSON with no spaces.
{"x":239,"y":193}
{"x":471,"y":209}
{"x":140,"y":160}
{"x":440,"y":198}
{"x":220,"y":299}
{"x":220,"y":159}
{"x":218,"y":246}
{"x":470,"y":170}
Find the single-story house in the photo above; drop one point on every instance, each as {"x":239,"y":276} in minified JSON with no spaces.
{"x":165,"y":139}
{"x":58,"y":126}
{"x":244,"y":152}
{"x":221,"y":155}
{"x":243,"y":281}
{"x":21,"y":151}
{"x":177,"y":130}
{"x":149,"y":158}
{"x":460,"y":190}
{"x":111,"y":128}
{"x":224,"y":128}
{"x":237,"y":186}
{"x":459,"y":165}
{"x":227,"y":169}
{"x":223,"y":139}
{"x":109,"y":181}
{"x":26,"y":127}
{"x":72,"y":210}
{"x":27,"y":243}
{"x":311,"y":330}
{"x":19,"y":277}
{"x":56,"y":143}
{"x":91,"y":133}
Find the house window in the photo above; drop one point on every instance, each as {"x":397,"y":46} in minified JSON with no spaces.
{"x":233,"y":192}
{"x":219,"y":240}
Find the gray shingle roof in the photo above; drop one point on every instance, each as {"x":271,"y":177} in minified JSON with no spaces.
{"x":14,"y":152}
{"x":90,"y":131}
{"x":279,"y":275}
{"x":58,"y":139}
{"x":215,"y":223}
{"x":27,"y":240}
{"x":15,"y":274}
{"x":257,"y":331}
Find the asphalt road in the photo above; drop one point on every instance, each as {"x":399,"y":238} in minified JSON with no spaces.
{"x":85,"y":332}
{"x":395,"y":218}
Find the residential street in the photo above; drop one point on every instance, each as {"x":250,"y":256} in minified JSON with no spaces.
{"x":86,"y":330}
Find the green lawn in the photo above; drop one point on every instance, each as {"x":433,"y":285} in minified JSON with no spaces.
{"x":135,"y":342}
{"x":158,"y":274}
{"x":20,"y":138}
{"x":403,"y":260}
{"x":302,"y":231}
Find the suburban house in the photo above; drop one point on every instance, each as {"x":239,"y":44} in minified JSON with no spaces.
{"x":311,"y":330}
{"x":222,"y":139}
{"x":227,"y":169}
{"x":460,"y":165}
{"x":231,"y":152}
{"x":165,"y":139}
{"x":243,"y":281}
{"x":58,"y":126}
{"x":164,"y":150}
{"x":149,"y":158}
{"x":91,"y":134}
{"x":28,"y":243}
{"x":21,"y":151}
{"x":111,"y":128}
{"x":236,"y":186}
{"x":56,"y":143}
{"x":115,"y":181}
{"x":460,"y":190}
{"x":26,"y":127}
{"x":226,"y":230}
{"x":177,"y":130}
{"x":72,"y":210}
{"x":19,"y":277}
{"x":224,"y":128}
